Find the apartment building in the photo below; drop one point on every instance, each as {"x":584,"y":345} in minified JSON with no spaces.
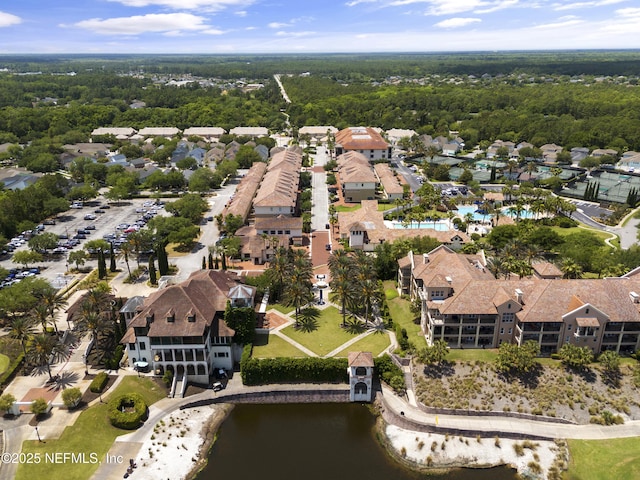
{"x":364,"y":140}
{"x":356,"y":177}
{"x":466,"y":306}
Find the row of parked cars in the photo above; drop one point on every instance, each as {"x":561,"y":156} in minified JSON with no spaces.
{"x":17,"y":274}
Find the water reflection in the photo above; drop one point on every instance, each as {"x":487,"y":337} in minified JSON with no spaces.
{"x":311,"y":442}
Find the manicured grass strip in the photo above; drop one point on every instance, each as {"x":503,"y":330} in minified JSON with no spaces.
{"x":400,"y":311}
{"x":4,"y":363}
{"x":390,"y":293}
{"x":471,"y":355}
{"x":272,"y":346}
{"x":344,"y":208}
{"x":281,"y":308}
{"x":91,"y":433}
{"x":604,"y":459}
{"x":374,"y":343}
{"x":328,"y":335}
{"x":563,"y":232}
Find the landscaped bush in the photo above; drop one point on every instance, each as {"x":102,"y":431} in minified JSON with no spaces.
{"x":71,"y":397}
{"x":127,"y":411}
{"x":389,"y":373}
{"x":39,"y":406}
{"x":7,"y":376}
{"x":98,"y":383}
{"x":276,"y":370}
{"x":6,"y":402}
{"x":167,"y":378}
{"x":113,"y":363}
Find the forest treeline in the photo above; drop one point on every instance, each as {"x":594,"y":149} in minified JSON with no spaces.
{"x":512,"y":96}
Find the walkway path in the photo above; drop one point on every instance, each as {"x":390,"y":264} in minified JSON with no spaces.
{"x":282,"y":90}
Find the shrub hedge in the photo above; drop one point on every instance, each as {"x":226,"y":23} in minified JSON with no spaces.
{"x":12,"y":369}
{"x":98,"y":383}
{"x":128,"y":420}
{"x":389,"y":372}
{"x":276,"y":370}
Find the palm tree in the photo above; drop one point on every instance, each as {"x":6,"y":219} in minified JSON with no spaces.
{"x":22,"y":329}
{"x":571,"y":269}
{"x":46,"y":349}
{"x":41,"y":313}
{"x":125,"y":248}
{"x":342,"y":291}
{"x":297,"y":291}
{"x":278,"y":270}
{"x":53,"y":301}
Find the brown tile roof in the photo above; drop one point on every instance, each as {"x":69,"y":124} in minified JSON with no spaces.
{"x":279,"y":187}
{"x":360,"y":138}
{"x":360,"y":359}
{"x":202,"y":296}
{"x":240,"y":203}
{"x":278,"y":223}
{"x":353,"y":167}
{"x":547,"y":269}
{"x":389,"y":181}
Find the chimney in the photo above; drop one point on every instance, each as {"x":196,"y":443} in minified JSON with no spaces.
{"x":425,"y":258}
{"x":635,"y":298}
{"x":449,"y":280}
{"x":519,"y":296}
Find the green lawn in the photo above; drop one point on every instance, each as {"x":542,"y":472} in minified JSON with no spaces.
{"x":344,"y":208}
{"x":328,"y":335}
{"x":271,"y":346}
{"x":285,"y":310}
{"x":604,"y":459}
{"x":383,"y":207}
{"x":4,"y":363}
{"x":91,"y":433}
{"x":400,"y":311}
{"x":568,"y":231}
{"x":374,"y":343}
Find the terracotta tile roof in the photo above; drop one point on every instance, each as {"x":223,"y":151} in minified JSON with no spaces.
{"x":389,"y":181}
{"x":278,"y":223}
{"x":360,"y":359}
{"x":203,"y":297}
{"x":353,"y":167}
{"x":361,"y":138}
{"x":547,"y":269}
{"x":240,"y":203}
{"x":279,"y":187}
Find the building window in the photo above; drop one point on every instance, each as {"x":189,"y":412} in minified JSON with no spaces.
{"x":508,"y":317}
{"x":586,"y":310}
{"x":569,"y":327}
{"x":279,"y":232}
{"x":132,"y":346}
{"x":287,"y":232}
{"x":510,"y":331}
{"x":502,"y":331}
{"x":143,"y":346}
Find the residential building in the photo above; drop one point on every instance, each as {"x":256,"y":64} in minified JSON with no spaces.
{"x":121,"y":133}
{"x":209,"y":134}
{"x":250,"y":131}
{"x":391,"y":185}
{"x":242,"y":200}
{"x":366,"y":228}
{"x":395,"y":134}
{"x":355,"y":177}
{"x":166,"y":132}
{"x":278,"y":192}
{"x":364,"y":140}
{"x":466,"y":306}
{"x":181,"y":328}
{"x":319,"y":133}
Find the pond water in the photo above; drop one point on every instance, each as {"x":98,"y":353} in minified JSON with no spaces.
{"x":311,"y":442}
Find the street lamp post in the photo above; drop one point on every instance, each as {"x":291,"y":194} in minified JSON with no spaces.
{"x":38,"y":434}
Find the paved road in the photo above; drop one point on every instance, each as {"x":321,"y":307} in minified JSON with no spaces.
{"x":282,"y":90}
{"x":320,"y":194}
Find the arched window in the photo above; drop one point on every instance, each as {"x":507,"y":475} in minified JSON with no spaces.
{"x":361,"y":371}
{"x":360,"y":388}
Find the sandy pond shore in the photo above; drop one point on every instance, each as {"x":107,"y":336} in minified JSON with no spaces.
{"x":180,"y":442}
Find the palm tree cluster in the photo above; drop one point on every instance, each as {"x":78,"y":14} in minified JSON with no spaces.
{"x":95,"y":316}
{"x":290,"y":272}
{"x":539,"y":200}
{"x":40,"y":348}
{"x":354,"y":284}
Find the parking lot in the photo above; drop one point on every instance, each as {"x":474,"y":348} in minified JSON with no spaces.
{"x":92,"y":221}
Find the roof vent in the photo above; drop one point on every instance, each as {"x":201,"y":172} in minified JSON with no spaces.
{"x":425,"y":258}
{"x":634,"y":297}
{"x":449,"y":280}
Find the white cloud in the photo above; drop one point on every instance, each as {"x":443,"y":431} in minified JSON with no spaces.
{"x":457,"y":22}
{"x":580,"y":5}
{"x":152,"y":23}
{"x":241,"y":13}
{"x":294,"y":34}
{"x":204,"y":5}
{"x":562,"y":24}
{"x":358,"y":2}
{"x":628,"y":12}
{"x":279,"y":25}
{"x":499,"y":6}
{"x":7,"y":19}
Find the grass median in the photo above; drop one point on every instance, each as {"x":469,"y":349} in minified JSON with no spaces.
{"x":92,"y":433}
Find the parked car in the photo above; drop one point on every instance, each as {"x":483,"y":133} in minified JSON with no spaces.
{"x":89,"y":216}
{"x":217,"y":386}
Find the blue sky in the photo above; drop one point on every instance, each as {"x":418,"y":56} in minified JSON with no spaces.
{"x":306,"y":26}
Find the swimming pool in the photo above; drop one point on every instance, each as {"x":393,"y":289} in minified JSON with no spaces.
{"x":481,"y":217}
{"x":440,"y":225}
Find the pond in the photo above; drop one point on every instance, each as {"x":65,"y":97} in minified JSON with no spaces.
{"x":311,"y":442}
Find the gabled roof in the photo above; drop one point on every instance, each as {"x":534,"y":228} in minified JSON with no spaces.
{"x":360,"y":359}
{"x":361,"y":138}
